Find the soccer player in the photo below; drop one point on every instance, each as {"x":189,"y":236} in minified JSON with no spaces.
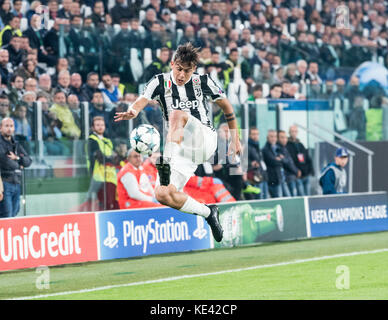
{"x":191,"y":139}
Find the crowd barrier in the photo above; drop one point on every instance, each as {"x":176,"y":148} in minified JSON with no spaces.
{"x":28,"y":242}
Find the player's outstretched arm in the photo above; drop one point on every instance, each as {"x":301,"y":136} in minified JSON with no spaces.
{"x":133,"y":110}
{"x":227,"y":108}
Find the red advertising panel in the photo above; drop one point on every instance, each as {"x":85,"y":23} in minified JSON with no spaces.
{"x":49,"y":240}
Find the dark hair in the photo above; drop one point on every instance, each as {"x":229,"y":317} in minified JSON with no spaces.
{"x":92,"y":73}
{"x":187,"y":54}
{"x":258,"y":87}
{"x":275,"y":85}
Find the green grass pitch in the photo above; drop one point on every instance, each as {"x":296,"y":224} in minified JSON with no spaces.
{"x":346,"y":267}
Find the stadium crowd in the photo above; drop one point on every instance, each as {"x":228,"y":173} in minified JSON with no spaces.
{"x":102,"y":52}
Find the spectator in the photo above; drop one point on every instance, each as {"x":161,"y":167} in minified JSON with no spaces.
{"x":339,"y":93}
{"x":53,"y":9}
{"x":110,"y":93}
{"x":273,"y":159}
{"x":16,"y":90}
{"x":189,"y":35}
{"x":64,"y":12}
{"x":149,"y":20}
{"x":23,"y":132}
{"x":74,"y":106}
{"x":134,"y":188}
{"x":51,"y":130}
{"x":44,"y":85}
{"x":314,"y":90}
{"x":122,"y":42}
{"x":257,"y":169}
{"x":153,"y":38}
{"x":15,"y":54}
{"x":257,"y":93}
{"x":313,"y":72}
{"x":63,"y":113}
{"x":10,"y":30}
{"x":17,"y":8}
{"x":63,"y":83}
{"x":291,"y":172}
{"x":302,"y":160}
{"x":98,"y":15}
{"x":286,"y":90}
{"x":121,"y":10}
{"x":166,"y":22}
{"x":76,"y":86}
{"x":32,"y":10}
{"x":5,"y":67}
{"x":31,"y":84}
{"x":62,"y":64}
{"x":333,"y":177}
{"x":290,"y":73}
{"x":101,"y":167}
{"x":160,"y":65}
{"x":5,"y":110}
{"x":119,"y":131}
{"x":229,"y":66}
{"x":265,"y":75}
{"x":28,"y":99}
{"x":203,"y":40}
{"x":51,"y":39}
{"x":353,"y":91}
{"x":98,"y":108}
{"x":13,"y":158}
{"x":116,"y":82}
{"x":357,"y":118}
{"x":195,"y":7}
{"x":6,"y":13}
{"x":303,"y":76}
{"x":91,"y":86}
{"x":275,"y":91}
{"x":356,"y":54}
{"x":121,"y":157}
{"x":27,"y":70}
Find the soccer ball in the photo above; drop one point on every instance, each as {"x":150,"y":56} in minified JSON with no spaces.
{"x":145,"y":139}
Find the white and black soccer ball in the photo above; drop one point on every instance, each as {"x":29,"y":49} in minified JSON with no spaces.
{"x":145,"y":139}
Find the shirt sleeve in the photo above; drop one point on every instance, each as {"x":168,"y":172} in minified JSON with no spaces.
{"x":132,"y":187}
{"x":152,"y":88}
{"x":211,"y":89}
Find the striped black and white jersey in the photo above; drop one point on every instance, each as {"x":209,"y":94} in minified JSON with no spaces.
{"x":192,"y":97}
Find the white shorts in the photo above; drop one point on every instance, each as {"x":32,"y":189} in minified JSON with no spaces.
{"x":198,"y":145}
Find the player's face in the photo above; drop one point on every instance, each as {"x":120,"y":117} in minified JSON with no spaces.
{"x":181,"y":72}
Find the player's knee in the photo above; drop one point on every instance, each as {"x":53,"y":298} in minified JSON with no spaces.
{"x":162,"y":195}
{"x":165,"y":194}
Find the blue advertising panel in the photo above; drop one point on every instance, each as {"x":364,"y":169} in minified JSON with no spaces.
{"x":133,"y":233}
{"x":347,"y":214}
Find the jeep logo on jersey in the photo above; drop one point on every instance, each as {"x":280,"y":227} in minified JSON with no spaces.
{"x":179,"y":105}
